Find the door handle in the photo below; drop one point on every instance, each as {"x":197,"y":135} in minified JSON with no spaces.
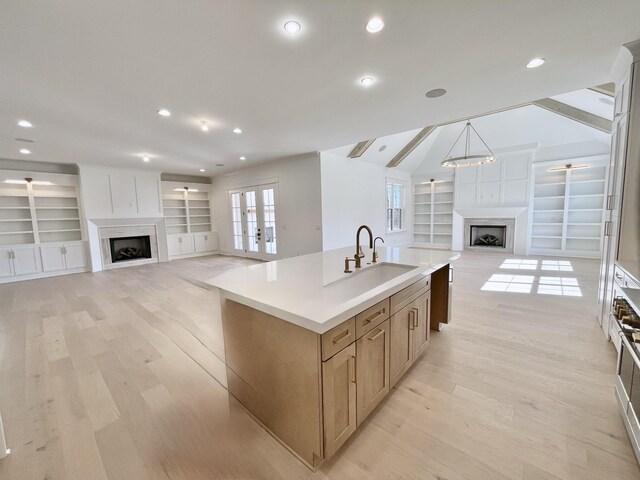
{"x":411,"y":319}
{"x":450,"y":274}
{"x":610,"y":202}
{"x":607,"y":228}
{"x":416,"y":322}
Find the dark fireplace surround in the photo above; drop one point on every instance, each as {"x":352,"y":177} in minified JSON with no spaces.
{"x":125,"y":249}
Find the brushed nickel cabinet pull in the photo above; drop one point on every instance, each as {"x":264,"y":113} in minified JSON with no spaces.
{"x":370,"y":319}
{"x":342,"y":336}
{"x":411,"y":319}
{"x":380,"y":332}
{"x":607,"y":228}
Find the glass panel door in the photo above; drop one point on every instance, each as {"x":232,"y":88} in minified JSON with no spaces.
{"x":253,"y":217}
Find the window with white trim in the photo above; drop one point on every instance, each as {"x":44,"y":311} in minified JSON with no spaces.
{"x":395,"y":207}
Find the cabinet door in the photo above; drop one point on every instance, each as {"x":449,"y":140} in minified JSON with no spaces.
{"x":372,"y":369}
{"x":421,"y":329}
{"x":203,"y":242}
{"x":339,"y":399}
{"x":75,"y":255}
{"x":52,"y":258}
{"x":26,"y":261}
{"x":187,"y":245}
{"x":212,"y":241}
{"x":173,"y":245}
{"x":6,"y":264}
{"x":401,"y":348}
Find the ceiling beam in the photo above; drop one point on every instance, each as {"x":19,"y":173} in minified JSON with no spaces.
{"x":411,"y":146}
{"x":360,"y":148}
{"x":575,"y":114}
{"x":608,"y":89}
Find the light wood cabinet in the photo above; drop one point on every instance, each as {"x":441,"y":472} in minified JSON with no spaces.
{"x":313,"y":390}
{"x":409,"y":335}
{"x":372,"y":369}
{"x":401,"y":343}
{"x":339,"y":398}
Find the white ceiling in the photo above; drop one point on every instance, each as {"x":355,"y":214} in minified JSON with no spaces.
{"x":589,"y":101}
{"x":91,"y":74}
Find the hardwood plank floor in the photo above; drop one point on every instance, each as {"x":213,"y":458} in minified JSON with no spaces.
{"x":120,"y":375}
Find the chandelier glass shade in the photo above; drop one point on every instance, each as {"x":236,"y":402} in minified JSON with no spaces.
{"x":468,"y":160}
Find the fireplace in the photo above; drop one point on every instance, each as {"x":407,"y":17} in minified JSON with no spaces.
{"x":125,"y":249}
{"x":489,"y":234}
{"x":127,"y":245}
{"x":493,"y":236}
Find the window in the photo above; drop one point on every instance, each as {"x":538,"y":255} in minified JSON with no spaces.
{"x":395,"y":207}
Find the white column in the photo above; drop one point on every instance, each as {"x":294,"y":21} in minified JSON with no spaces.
{"x":4,"y":451}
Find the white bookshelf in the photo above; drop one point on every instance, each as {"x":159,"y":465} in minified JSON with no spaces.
{"x":31,"y":214}
{"x":433,"y":213}
{"x":187,"y":212}
{"x":567,"y":210}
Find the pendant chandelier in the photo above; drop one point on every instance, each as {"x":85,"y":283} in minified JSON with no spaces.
{"x":468,"y":160}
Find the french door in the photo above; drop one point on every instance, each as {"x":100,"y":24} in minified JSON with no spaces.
{"x":253,"y":215}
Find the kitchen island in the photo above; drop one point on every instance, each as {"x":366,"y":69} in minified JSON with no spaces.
{"x":311,"y":350}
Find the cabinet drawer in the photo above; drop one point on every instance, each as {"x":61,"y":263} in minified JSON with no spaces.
{"x":409,"y":294}
{"x":338,"y":337}
{"x":372,"y":317}
{"x":618,"y":275}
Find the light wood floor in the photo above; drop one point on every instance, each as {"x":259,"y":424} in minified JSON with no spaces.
{"x":119,"y":375}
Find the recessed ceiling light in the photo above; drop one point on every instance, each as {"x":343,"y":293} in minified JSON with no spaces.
{"x":145,"y":158}
{"x":535,"y":62}
{"x":204,"y":126}
{"x":243,"y":158}
{"x":163,"y":112}
{"x":202,"y":170}
{"x":382,"y":148}
{"x":219,"y":164}
{"x":292,"y":27}
{"x":374,"y":25}
{"x":25,"y":123}
{"x":606,"y":101}
{"x":25,"y":151}
{"x":237,"y":130}
{"x":435,"y":93}
{"x":367,"y":81}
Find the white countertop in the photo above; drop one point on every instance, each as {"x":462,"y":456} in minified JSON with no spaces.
{"x":301,"y":290}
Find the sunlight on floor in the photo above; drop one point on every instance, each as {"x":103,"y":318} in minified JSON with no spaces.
{"x":545,"y":285}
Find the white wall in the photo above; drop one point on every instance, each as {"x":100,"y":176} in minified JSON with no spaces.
{"x":298,"y":203}
{"x":353,"y":194}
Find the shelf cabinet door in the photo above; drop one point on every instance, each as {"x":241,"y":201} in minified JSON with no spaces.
{"x":26,"y":260}
{"x":187,"y":245}
{"x":205,"y":242}
{"x":6,"y":264}
{"x":421,"y":329}
{"x":75,"y":255}
{"x":372,"y":369}
{"x":52,"y":258}
{"x":173,"y":245}
{"x":339,"y":399}
{"x":401,"y":347}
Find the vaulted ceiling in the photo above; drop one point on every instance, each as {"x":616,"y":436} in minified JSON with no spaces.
{"x":90,"y":75}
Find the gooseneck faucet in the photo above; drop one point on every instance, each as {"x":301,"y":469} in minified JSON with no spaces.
{"x":359,"y":255}
{"x":375,"y":254}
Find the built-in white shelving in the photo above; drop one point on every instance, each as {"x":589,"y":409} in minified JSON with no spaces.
{"x":31,"y":214}
{"x":567,"y":210}
{"x":187,"y":212}
{"x":433,"y":213}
